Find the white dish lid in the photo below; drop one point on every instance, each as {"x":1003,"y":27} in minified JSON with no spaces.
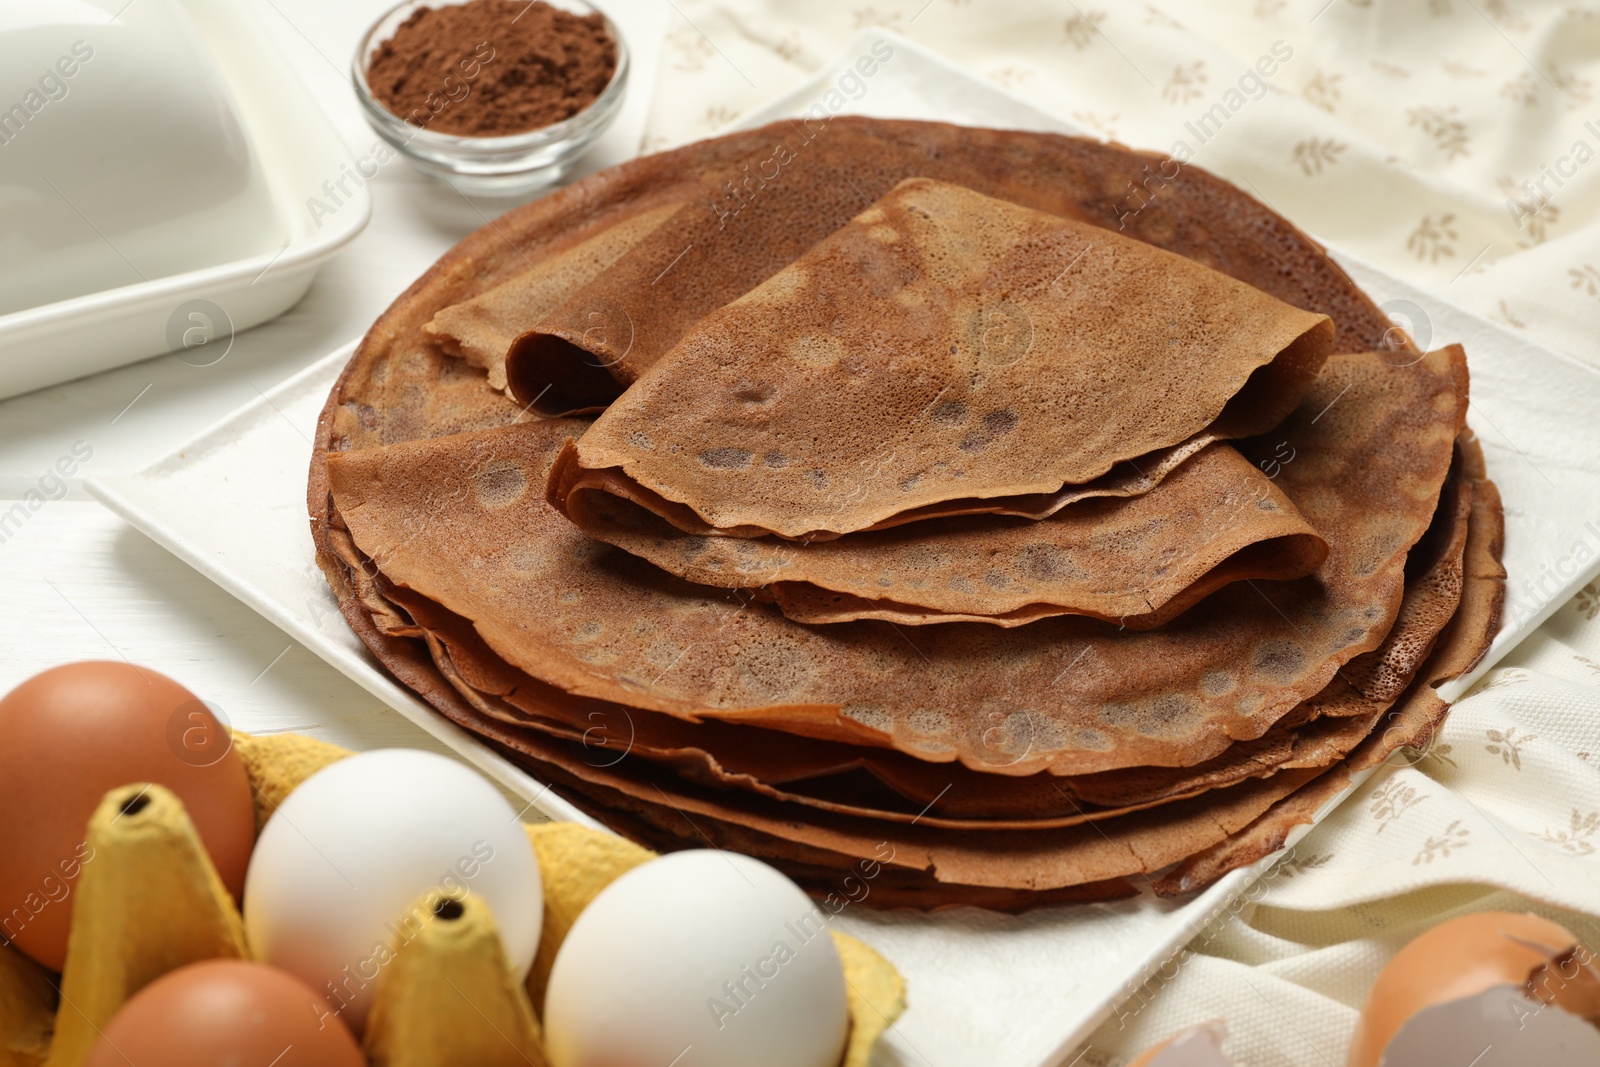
{"x":124,"y":159}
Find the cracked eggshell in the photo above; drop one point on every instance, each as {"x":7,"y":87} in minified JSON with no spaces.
{"x":1198,"y":1046}
{"x":1511,"y":985}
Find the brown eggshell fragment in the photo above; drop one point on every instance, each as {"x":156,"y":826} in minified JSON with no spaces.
{"x":1483,"y":978}
{"x":70,"y":735}
{"x":1199,"y":1046}
{"x":226,"y":1012}
{"x":1499,"y":1027}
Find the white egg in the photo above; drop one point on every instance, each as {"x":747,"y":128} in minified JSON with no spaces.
{"x":698,"y":959}
{"x":337,"y":869}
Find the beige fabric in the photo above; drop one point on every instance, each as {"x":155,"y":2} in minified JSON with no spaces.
{"x":1403,"y":131}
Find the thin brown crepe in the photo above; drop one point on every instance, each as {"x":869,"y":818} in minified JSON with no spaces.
{"x":946,"y":346}
{"x":794,"y":183}
{"x":1138,"y":561}
{"x":818,"y":773}
{"x":1043,"y":863}
{"x":481,"y":329}
{"x":1068,"y":695}
{"x":1125,"y":847}
{"x":943,"y":795}
{"x":400,"y":386}
{"x":1411,"y":723}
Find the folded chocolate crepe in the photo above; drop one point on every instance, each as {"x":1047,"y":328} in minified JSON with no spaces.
{"x":403,"y":384}
{"x":933,"y":868}
{"x":1128,"y":846}
{"x":480,"y":330}
{"x":1410,"y":723}
{"x":1137,"y":561}
{"x":762,"y":198}
{"x":945,"y":346}
{"x":826,"y":775}
{"x":1072,"y":696}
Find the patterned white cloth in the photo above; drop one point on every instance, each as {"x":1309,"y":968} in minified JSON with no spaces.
{"x":1454,"y":143}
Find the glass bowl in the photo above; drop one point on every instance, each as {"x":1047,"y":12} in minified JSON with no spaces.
{"x":505,"y":166}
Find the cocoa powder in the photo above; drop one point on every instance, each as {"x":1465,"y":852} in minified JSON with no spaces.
{"x":488,"y":68}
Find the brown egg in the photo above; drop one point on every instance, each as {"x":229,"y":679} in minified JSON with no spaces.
{"x":1512,"y":984}
{"x":71,"y":734}
{"x":226,"y":1012}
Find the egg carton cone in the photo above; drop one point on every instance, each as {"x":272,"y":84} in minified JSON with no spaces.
{"x":150,"y":902}
{"x":450,"y":968}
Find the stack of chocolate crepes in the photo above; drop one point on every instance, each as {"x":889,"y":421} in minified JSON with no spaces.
{"x":889,"y":498}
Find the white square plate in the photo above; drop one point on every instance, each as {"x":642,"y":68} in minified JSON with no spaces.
{"x":1012,"y":991}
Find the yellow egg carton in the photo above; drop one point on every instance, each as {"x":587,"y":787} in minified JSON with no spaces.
{"x":152,"y":902}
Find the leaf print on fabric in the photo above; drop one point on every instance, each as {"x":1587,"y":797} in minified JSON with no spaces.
{"x":1536,"y":212}
{"x":1586,"y":278}
{"x":692,"y":48}
{"x":1083,"y":28}
{"x":1505,"y":676}
{"x":1323,"y":90}
{"x":1392,"y":800}
{"x":1587,"y":602}
{"x":1504,"y":315}
{"x":1437,"y":750}
{"x":1457,"y":69}
{"x":1316,"y":153}
{"x":1394,"y":70}
{"x":789,"y":48}
{"x":1521,"y":90}
{"x":1438,"y":846}
{"x":1154,"y":16}
{"x":1187,"y":82}
{"x":871,"y":16}
{"x":1578,"y":90}
{"x":1576,"y":837}
{"x":1265,"y":9}
{"x":1105,"y":125}
{"x":1505,"y":14}
{"x":1010,"y":76}
{"x":1293,"y":864}
{"x":1449,"y":133}
{"x":718,"y":117}
{"x":1508,"y":745}
{"x":1432,"y":238}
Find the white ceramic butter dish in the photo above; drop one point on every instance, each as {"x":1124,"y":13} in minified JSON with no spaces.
{"x":155,"y":163}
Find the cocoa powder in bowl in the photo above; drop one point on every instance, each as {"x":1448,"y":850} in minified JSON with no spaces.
{"x":490,"y":68}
